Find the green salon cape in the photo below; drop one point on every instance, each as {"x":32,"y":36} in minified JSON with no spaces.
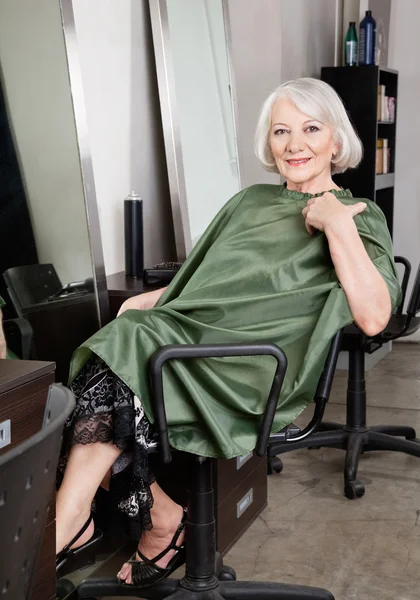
{"x":256,"y":274}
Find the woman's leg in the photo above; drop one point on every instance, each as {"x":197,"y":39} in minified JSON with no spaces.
{"x":166,"y":517}
{"x":86,"y":467}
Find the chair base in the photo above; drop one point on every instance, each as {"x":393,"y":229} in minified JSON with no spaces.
{"x":355,"y":441}
{"x":175,"y":589}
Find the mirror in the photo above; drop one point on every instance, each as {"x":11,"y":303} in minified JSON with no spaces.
{"x":196,"y":97}
{"x":47,"y":195}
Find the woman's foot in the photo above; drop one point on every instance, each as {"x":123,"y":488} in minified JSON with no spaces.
{"x":153,"y":542}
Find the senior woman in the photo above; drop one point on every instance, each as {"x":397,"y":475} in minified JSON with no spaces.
{"x":290,"y":264}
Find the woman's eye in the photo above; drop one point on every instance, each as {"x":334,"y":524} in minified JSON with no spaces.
{"x":312,"y":128}
{"x":280,"y":131}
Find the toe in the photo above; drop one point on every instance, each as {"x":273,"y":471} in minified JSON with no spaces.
{"x":125,"y":573}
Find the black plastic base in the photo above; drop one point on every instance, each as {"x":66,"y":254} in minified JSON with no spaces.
{"x":356,"y":441}
{"x":354,"y":437}
{"x":171,"y":589}
{"x":206,"y":578}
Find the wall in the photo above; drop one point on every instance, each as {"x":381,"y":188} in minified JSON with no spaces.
{"x":273,"y":41}
{"x":37,"y":90}
{"x":404,"y":52}
{"x":125,"y":132}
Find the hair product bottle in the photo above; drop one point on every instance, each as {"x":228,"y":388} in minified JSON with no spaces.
{"x":350,"y":46}
{"x":367,"y":40}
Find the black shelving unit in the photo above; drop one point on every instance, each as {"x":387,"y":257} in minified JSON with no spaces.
{"x":358,"y":88}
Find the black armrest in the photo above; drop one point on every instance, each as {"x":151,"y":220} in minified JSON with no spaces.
{"x":404,"y":284}
{"x":187,"y":351}
{"x":18,"y":333}
{"x":321,"y":397}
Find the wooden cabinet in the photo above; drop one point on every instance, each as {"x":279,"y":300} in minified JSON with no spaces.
{"x":23,"y":395}
{"x":240,"y":484}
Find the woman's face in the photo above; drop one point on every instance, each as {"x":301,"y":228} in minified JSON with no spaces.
{"x":302,"y":146}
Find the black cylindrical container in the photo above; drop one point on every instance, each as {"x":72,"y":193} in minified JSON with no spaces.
{"x":133,"y":235}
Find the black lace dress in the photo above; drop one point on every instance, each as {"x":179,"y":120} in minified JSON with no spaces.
{"x":108,"y":411}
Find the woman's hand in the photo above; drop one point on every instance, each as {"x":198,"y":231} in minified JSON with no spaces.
{"x":142,"y":302}
{"x":3,"y":349}
{"x":365,"y":288}
{"x":326,"y":211}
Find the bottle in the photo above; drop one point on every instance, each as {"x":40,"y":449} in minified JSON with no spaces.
{"x":367,"y":40}
{"x":350,"y":46}
{"x":133,"y":235}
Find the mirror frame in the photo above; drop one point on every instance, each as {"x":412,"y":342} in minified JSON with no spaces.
{"x":85,"y":157}
{"x":170,"y":119}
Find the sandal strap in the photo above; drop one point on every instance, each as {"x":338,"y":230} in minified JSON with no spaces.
{"x":171,"y":546}
{"x":78,"y":535}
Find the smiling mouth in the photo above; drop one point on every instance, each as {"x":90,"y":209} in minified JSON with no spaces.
{"x":297,"y":162}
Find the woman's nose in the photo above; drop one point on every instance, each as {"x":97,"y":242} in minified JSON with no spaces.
{"x":296,"y":143}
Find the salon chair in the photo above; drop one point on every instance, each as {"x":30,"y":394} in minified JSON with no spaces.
{"x":355,"y":436}
{"x":18,"y":334}
{"x":27,"y":479}
{"x":206,"y":578}
{"x":29,"y":285}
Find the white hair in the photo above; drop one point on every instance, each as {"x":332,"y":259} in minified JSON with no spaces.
{"x":321,"y":102}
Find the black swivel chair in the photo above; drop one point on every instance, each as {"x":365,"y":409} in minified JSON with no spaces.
{"x":206,"y":577}
{"x":18,"y":334}
{"x":30,"y":285}
{"x":355,"y":437}
{"x":27,"y":479}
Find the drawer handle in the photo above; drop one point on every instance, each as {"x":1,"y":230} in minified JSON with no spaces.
{"x":5,"y":433}
{"x":241,"y":460}
{"x":244,"y":503}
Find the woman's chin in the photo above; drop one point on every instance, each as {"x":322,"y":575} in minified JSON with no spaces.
{"x":298,"y":178}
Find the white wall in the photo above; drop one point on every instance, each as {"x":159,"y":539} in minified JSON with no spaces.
{"x":273,"y":41}
{"x":404,"y":53}
{"x":37,"y":89}
{"x":125,"y":131}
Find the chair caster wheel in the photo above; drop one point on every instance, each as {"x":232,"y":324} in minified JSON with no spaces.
{"x":64,"y":588}
{"x":274,"y":465}
{"x":354,"y":489}
{"x":227,"y":574}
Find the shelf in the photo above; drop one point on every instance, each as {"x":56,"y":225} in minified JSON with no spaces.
{"x":386,"y":122}
{"x":384,"y":181}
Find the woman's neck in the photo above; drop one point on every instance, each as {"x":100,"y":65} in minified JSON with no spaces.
{"x":313,"y":186}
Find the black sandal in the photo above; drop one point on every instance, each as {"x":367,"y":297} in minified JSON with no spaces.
{"x":67,"y":556}
{"x":146,"y":572}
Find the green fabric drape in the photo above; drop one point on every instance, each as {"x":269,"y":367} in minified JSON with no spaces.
{"x":255,"y":275}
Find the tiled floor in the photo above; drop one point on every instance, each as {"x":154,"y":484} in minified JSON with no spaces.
{"x":367,"y":549}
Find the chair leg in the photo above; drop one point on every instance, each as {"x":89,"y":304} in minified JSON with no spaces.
{"x":251,"y":590}
{"x":380,"y":441}
{"x":328,"y":426}
{"x":398,"y":430}
{"x":353,"y":488}
{"x":327,"y":439}
{"x":109,"y":587}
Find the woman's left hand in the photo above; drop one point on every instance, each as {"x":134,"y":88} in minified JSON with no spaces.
{"x":326,"y":210}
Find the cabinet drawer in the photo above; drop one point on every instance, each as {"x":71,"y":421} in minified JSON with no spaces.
{"x":25,"y":406}
{"x":230,"y":473}
{"x":240,"y":508}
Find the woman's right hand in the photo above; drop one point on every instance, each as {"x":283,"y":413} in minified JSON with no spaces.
{"x":141,"y":302}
